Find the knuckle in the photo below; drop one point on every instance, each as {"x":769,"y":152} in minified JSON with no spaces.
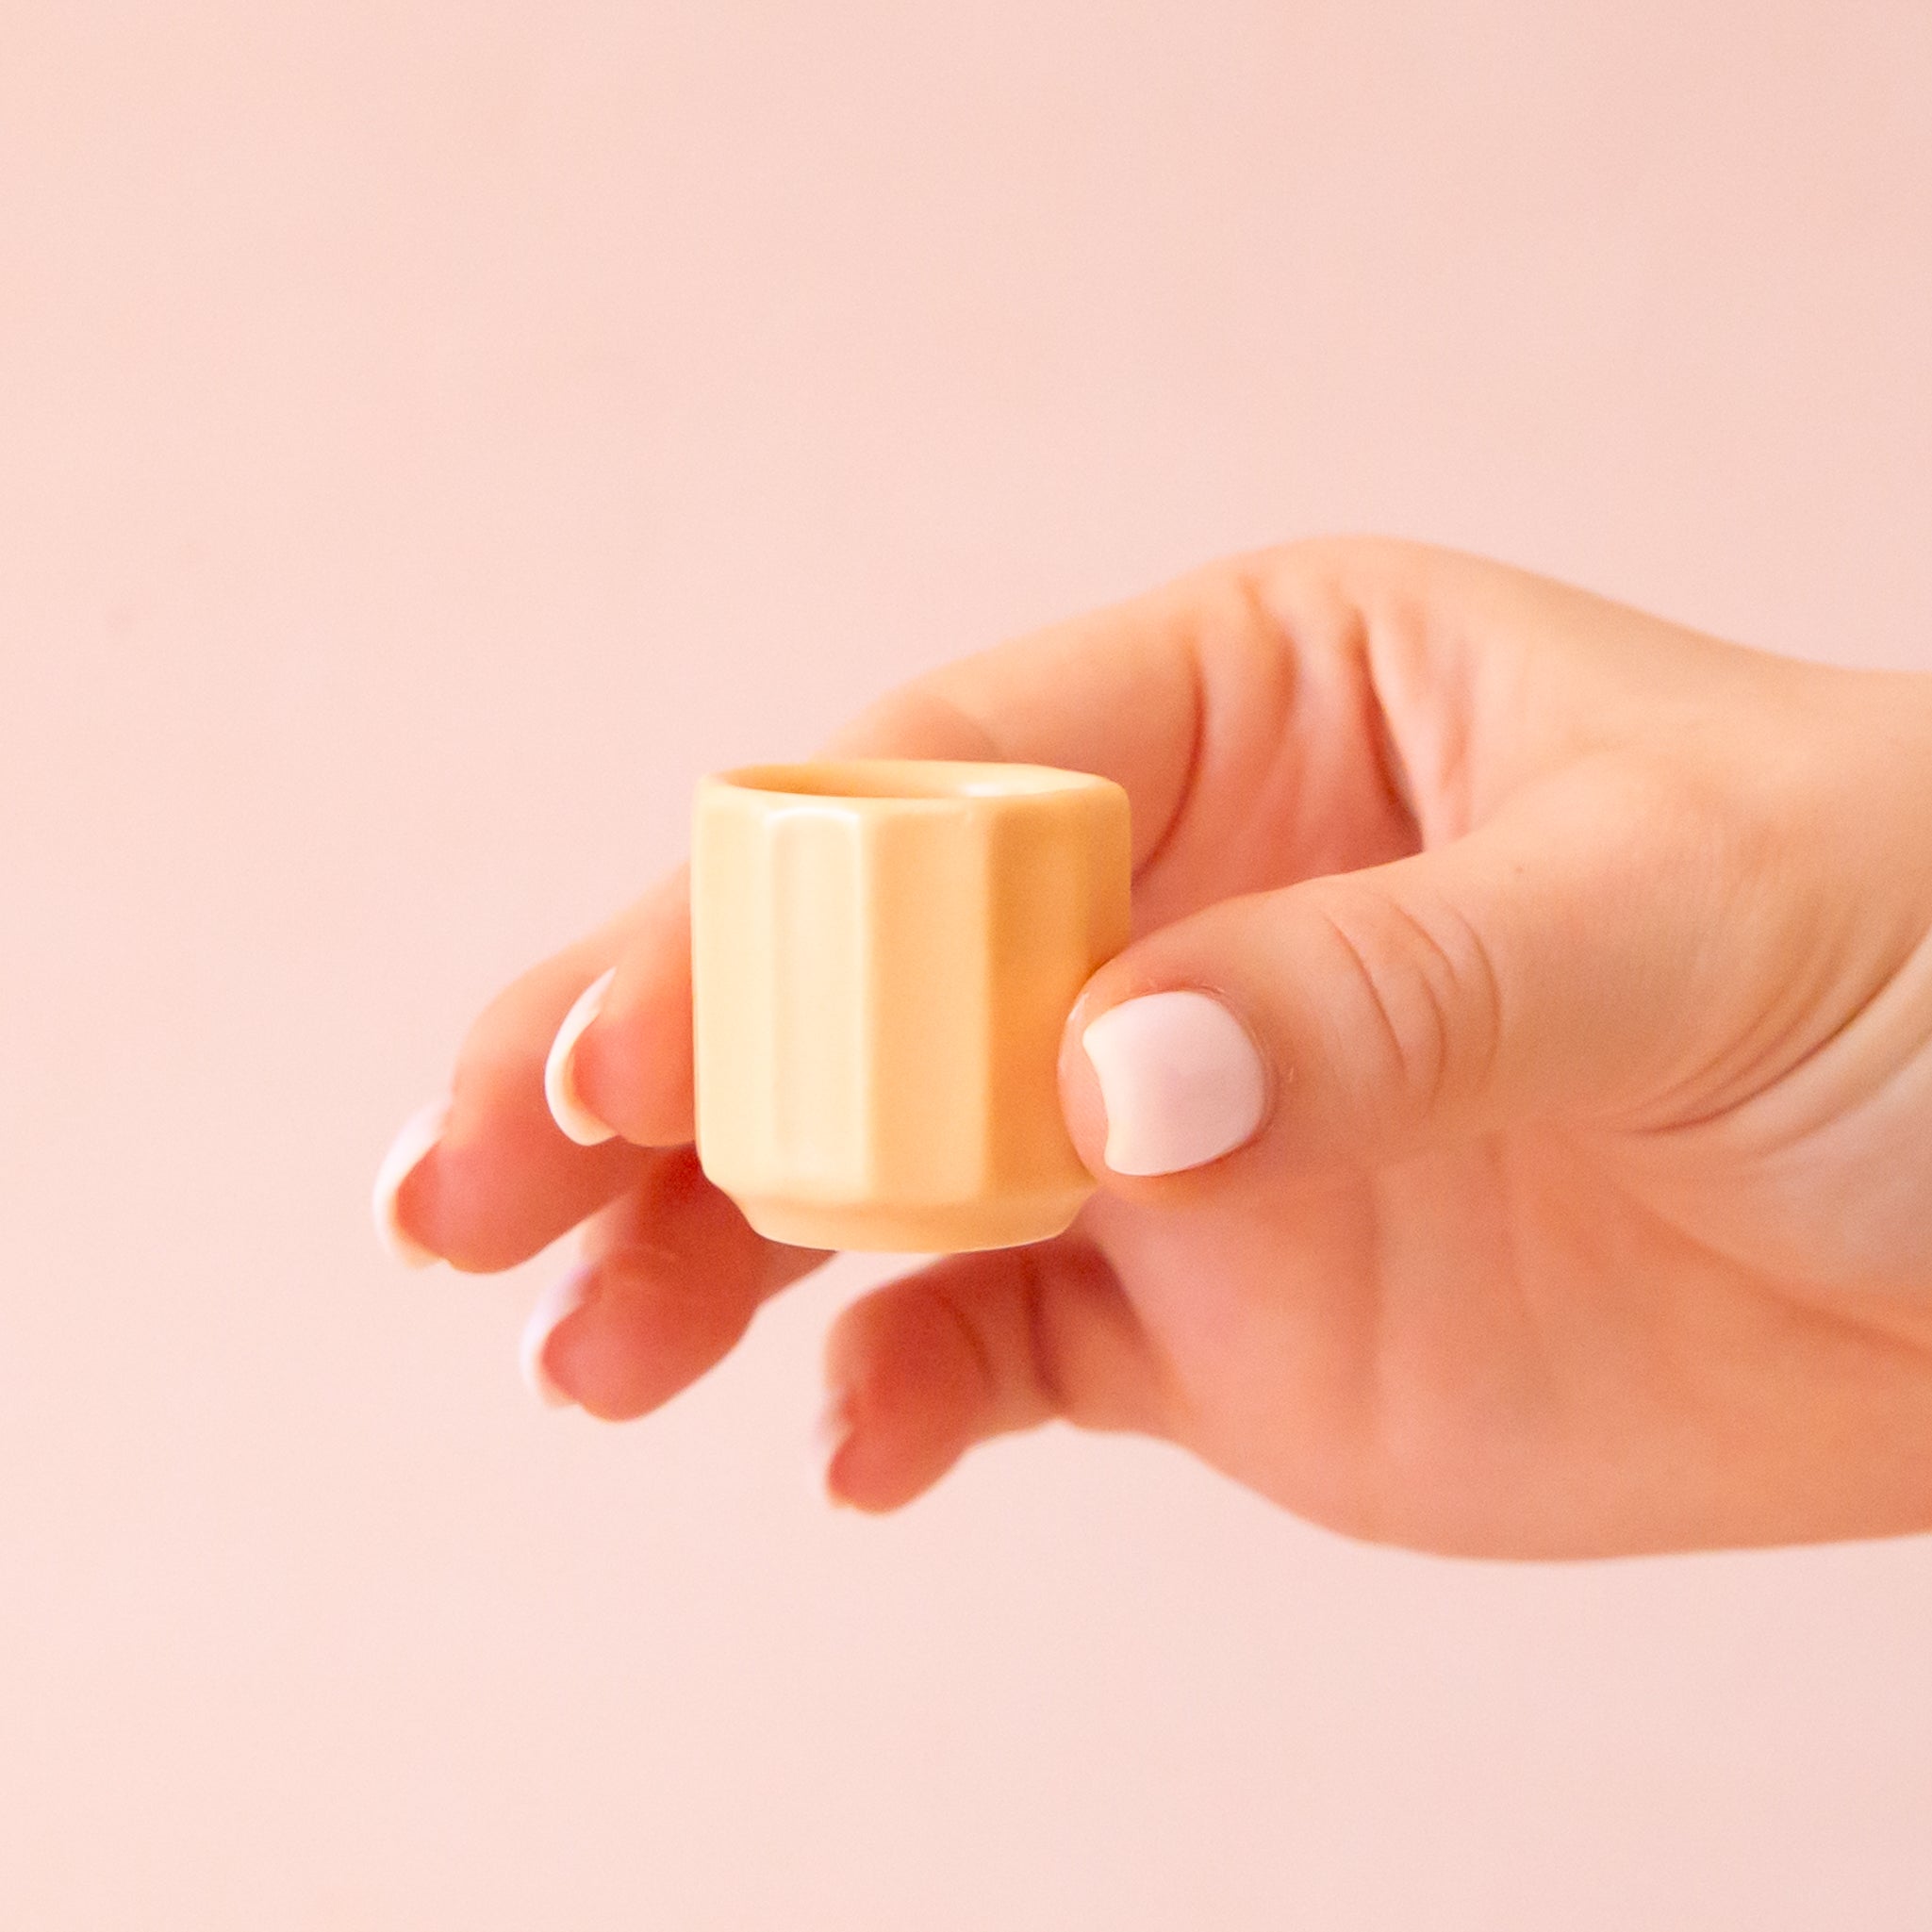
{"x":1421,"y":999}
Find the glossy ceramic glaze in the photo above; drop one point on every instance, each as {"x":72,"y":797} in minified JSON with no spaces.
{"x":883,"y":956}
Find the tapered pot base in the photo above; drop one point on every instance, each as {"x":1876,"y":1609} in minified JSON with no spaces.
{"x":950,"y":1228}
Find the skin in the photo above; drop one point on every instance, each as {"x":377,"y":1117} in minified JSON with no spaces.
{"x":1592,"y":1212}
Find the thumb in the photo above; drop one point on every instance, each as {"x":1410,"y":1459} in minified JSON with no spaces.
{"x":1535,"y":968}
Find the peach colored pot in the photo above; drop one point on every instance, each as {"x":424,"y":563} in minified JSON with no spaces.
{"x":884,"y":955}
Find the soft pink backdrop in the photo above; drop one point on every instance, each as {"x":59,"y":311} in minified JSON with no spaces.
{"x":431,"y":434}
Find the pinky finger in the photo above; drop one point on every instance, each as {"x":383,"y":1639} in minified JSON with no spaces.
{"x":976,"y":1345}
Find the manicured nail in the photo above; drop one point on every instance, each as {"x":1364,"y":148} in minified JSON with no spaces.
{"x":1180,"y":1080}
{"x":567,"y":1107}
{"x":561,"y":1299}
{"x":830,"y":1434}
{"x":419,"y":1133}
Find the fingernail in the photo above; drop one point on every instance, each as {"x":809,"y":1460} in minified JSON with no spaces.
{"x":419,"y":1133}
{"x":830,"y":1433}
{"x":1179,"y":1078}
{"x":558,"y":1301}
{"x":559,"y":1080}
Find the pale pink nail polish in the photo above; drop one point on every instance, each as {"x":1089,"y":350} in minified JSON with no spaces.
{"x":567,"y":1106}
{"x":558,"y":1301}
{"x":419,"y":1133}
{"x":1181,"y":1078}
{"x":831,"y":1431}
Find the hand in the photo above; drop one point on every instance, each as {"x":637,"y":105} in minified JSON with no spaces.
{"x":1587,"y":1204}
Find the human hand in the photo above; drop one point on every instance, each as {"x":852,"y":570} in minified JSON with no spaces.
{"x":1587,"y":963}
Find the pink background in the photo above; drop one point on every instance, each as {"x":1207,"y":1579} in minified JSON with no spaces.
{"x":430,"y":436}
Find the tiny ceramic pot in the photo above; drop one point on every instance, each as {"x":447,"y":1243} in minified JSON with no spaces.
{"x":883,"y":955}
